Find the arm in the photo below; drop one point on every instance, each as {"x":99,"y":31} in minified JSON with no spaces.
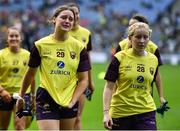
{"x":32,"y":95}
{"x":28,"y":79}
{"x":159,"y":87}
{"x":81,"y":86}
{"x":111,"y":77}
{"x":107,"y":95}
{"x":4,"y":94}
{"x":89,"y":48}
{"x":33,"y":87}
{"x":90,"y":81}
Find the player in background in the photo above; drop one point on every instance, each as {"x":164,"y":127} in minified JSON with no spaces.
{"x":151,"y":46}
{"x":132,"y":107}
{"x":63,"y":67}
{"x":83,"y":35}
{"x":13,"y":66}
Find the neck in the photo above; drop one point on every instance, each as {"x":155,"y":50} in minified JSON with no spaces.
{"x":75,"y":27}
{"x":14,"y":49}
{"x":60,"y":36}
{"x":140,"y":53}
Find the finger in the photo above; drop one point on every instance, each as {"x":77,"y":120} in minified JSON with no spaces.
{"x":7,"y":99}
{"x":106,"y":125}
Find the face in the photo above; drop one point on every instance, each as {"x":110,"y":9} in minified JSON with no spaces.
{"x":64,"y":20}
{"x":77,"y":15}
{"x":14,"y":38}
{"x":139,"y":39}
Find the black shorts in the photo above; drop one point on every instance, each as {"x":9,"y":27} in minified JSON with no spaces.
{"x":4,"y":106}
{"x":47,"y":108}
{"x":144,"y":121}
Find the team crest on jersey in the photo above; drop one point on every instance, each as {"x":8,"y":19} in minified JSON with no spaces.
{"x":24,"y":63}
{"x":15,"y":70}
{"x":151,"y":69}
{"x":84,"y":40}
{"x":73,"y":54}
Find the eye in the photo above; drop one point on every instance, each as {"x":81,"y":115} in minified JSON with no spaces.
{"x":63,"y":17}
{"x":71,"y":19}
{"x":146,"y":37}
{"x":16,"y":36}
{"x":138,"y":36}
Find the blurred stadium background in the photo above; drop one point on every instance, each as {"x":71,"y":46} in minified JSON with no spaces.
{"x":107,"y":20}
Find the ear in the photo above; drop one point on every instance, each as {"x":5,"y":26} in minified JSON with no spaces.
{"x":129,"y":38}
{"x":54,"y":21}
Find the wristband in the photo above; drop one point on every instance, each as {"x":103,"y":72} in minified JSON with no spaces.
{"x":32,"y":95}
{"x":17,"y":96}
{"x":106,"y":110}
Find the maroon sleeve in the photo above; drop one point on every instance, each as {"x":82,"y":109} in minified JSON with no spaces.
{"x":89,"y":45}
{"x":112,"y":73}
{"x":35,"y":58}
{"x":84,"y":64}
{"x":157,"y":54}
{"x":118,"y":48}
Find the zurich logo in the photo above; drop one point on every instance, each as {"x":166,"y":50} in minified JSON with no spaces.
{"x":60,"y":64}
{"x":140,"y":79}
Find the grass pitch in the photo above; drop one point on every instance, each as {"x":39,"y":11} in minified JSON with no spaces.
{"x":93,"y":115}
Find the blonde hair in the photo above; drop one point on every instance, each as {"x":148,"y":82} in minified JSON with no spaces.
{"x":137,"y":25}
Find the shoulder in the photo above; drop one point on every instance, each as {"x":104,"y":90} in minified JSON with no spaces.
{"x":151,"y":56}
{"x":24,"y":51}
{"x":2,"y":51}
{"x":84,"y":30}
{"x":75,"y":42}
{"x":152,"y":44}
{"x":124,"y":43}
{"x":44,"y":39}
{"x":119,"y":55}
{"x":151,"y":47}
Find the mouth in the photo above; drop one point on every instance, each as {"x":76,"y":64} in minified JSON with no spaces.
{"x":67,"y":26}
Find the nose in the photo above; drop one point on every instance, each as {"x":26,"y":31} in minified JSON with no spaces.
{"x":67,"y":20}
{"x":142,"y":40}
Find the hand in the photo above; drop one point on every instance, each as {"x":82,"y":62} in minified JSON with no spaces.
{"x":32,"y":103}
{"x":164,"y":107}
{"x":162,"y":100}
{"x":71,"y":104}
{"x":88,"y":94}
{"x":91,"y":86}
{"x":6,"y":96}
{"x":20,"y":104}
{"x":107,"y":121}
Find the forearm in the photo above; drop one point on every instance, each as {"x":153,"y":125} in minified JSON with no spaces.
{"x":159,"y":85}
{"x":160,"y":88}
{"x":33,"y":87}
{"x":28,"y":79}
{"x":107,"y":95}
{"x":81,"y":86}
{"x":90,"y":81}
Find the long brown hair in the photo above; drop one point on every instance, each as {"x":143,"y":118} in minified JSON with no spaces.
{"x":59,"y":10}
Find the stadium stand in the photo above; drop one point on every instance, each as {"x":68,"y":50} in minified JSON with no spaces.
{"x":107,"y":20}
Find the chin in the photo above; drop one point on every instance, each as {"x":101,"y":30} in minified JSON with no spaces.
{"x":66,"y":29}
